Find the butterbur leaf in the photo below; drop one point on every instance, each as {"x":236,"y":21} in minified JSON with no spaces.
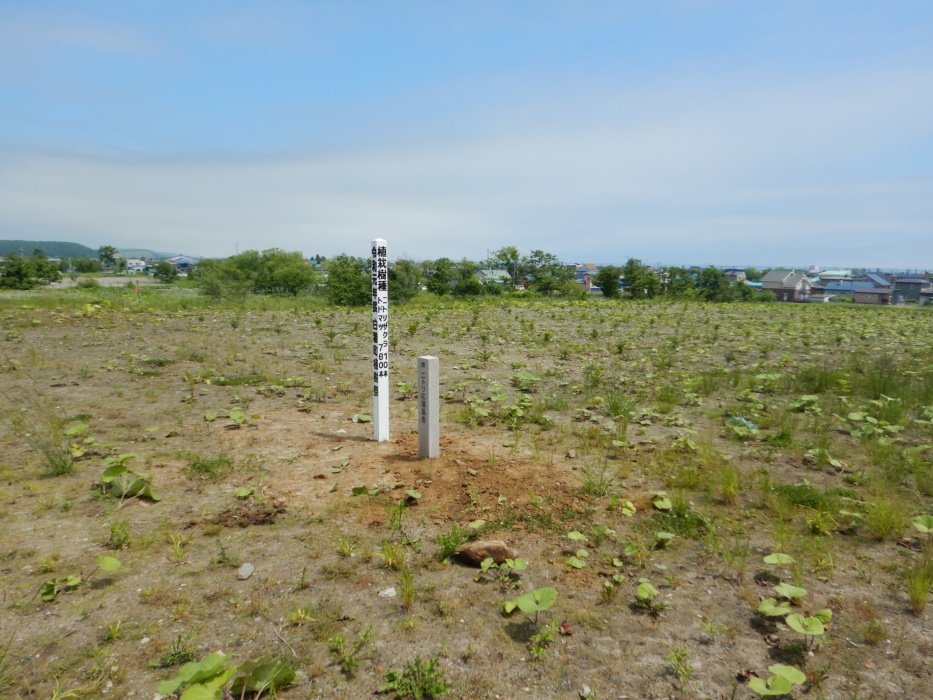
{"x":824,"y":615}
{"x":769,"y":607}
{"x":509,"y":606}
{"x":244,"y":492}
{"x":536,"y":601}
{"x":576,"y":536}
{"x":110,"y":473}
{"x":262,"y":674}
{"x":786,"y":590}
{"x":646,"y":592}
{"x":576,"y":563}
{"x":924,"y":523}
{"x":627,"y":508}
{"x":809,"y":626}
{"x":108,"y":563}
{"x":210,"y":416}
{"x":359,"y":490}
{"x":519,"y":564}
{"x":791,"y":674}
{"x":76,"y":429}
{"x":411,"y":493}
{"x":487,"y":564}
{"x":775,"y":685}
{"x":779,"y":558}
{"x":661,"y":501}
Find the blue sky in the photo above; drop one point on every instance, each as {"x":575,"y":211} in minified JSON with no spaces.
{"x":676,"y":132}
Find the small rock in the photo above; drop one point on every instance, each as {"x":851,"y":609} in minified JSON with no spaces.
{"x":244,"y":572}
{"x":571,"y":454}
{"x":472,"y":472}
{"x":144,"y":641}
{"x":586,"y":692}
{"x":566,"y":629}
{"x":475,"y":552}
{"x":341,"y":432}
{"x":387,"y":593}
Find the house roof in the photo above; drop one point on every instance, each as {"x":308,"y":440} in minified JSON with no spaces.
{"x":911,"y":280}
{"x":878,"y":279}
{"x":848,"y":285}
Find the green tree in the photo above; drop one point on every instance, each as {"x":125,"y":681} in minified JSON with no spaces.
{"x":713,"y":285}
{"x":17,"y":272}
{"x":509,"y":259}
{"x":349,"y":282}
{"x":679,"y":283}
{"x":607,"y":279}
{"x":442,"y":275}
{"x":404,"y":281}
{"x":466,"y":283}
{"x":86,"y":265}
{"x":107,"y":254}
{"x":280,"y":272}
{"x":166,"y":272}
{"x":640,"y":280}
{"x":545,"y":271}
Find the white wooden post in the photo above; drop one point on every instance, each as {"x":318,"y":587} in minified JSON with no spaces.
{"x":428,"y":419}
{"x":380,"y":276}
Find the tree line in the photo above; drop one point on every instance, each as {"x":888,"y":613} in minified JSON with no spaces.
{"x":345,"y":280}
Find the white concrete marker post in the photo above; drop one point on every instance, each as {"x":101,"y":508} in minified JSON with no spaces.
{"x":380,"y":275}
{"x":429,"y":444}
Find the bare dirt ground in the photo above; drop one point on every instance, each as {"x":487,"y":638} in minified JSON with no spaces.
{"x":261,"y":405}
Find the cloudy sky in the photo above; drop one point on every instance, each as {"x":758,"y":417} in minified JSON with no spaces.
{"x":696,"y":131}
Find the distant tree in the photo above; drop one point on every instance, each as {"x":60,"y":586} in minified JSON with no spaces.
{"x":753,"y":275}
{"x":17,"y":272}
{"x":404,"y":281}
{"x":713,"y":285}
{"x":349,"y":282}
{"x":509,"y":259}
{"x":679,"y":283}
{"x":607,"y":279}
{"x":442,"y":275}
{"x":640,"y":280}
{"x":280,"y":272}
{"x":39,"y":253}
{"x":166,"y":272}
{"x":86,"y":265}
{"x":466,"y":283}
{"x":107,"y":254}
{"x":545,"y":272}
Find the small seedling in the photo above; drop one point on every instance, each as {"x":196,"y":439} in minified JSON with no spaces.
{"x":646,"y":597}
{"x":416,"y":680}
{"x":201,"y":679}
{"x":262,"y":674}
{"x":346,"y":656}
{"x":810,"y":627}
{"x":533,"y":603}
{"x":52,"y":587}
{"x":782,"y":681}
{"x":118,"y":481}
{"x":507,"y":571}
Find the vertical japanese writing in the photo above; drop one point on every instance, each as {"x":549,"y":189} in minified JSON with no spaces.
{"x":380,"y":338}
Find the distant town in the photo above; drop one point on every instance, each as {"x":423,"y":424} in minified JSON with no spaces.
{"x":26,"y":264}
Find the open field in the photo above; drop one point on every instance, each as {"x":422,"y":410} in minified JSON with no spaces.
{"x":557,"y":419}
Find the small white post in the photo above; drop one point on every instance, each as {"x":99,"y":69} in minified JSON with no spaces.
{"x":380,"y":276}
{"x":429,"y":444}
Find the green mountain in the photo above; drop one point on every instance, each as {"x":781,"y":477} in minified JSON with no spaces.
{"x":52,"y":249}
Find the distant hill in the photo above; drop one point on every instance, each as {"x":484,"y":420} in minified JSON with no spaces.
{"x":52,"y":249}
